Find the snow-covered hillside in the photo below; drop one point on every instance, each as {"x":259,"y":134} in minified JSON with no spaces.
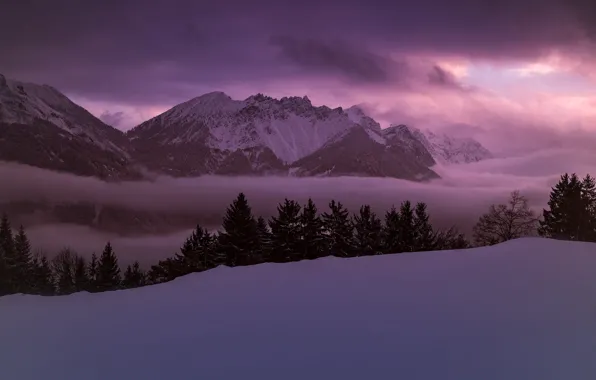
{"x":451,"y":150}
{"x":525,"y":309}
{"x":40,"y":126}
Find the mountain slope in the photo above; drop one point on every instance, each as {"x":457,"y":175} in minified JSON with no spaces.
{"x":214,"y":134}
{"x":40,"y":126}
{"x":519,"y":310}
{"x":365,"y":152}
{"x":446,"y":149}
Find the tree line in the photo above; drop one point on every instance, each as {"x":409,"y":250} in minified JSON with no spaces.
{"x":297,"y":232}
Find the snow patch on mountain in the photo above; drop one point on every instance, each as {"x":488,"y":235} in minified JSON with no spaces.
{"x":451,"y":150}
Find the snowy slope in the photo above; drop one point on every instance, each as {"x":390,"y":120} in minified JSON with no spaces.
{"x":520,"y":310}
{"x":39,"y":126}
{"x":451,"y":150}
{"x":290,"y":127}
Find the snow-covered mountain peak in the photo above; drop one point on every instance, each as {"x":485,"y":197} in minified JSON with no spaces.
{"x":357,"y":115}
{"x":451,"y":150}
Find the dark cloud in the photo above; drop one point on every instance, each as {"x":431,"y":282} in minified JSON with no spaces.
{"x":112,"y":118}
{"x":443,"y":78}
{"x":166,"y":51}
{"x":335,"y":57}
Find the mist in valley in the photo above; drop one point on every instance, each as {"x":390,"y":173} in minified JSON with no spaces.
{"x":462,"y":194}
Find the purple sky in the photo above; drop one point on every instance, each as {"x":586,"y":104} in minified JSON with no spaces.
{"x":495,"y":69}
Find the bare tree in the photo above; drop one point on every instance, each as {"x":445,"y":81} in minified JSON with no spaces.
{"x":506,"y":221}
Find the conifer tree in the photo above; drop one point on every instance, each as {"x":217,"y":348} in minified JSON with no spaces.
{"x":571,"y":214}
{"x":285,"y":233}
{"x":451,"y":239}
{"x":368,"y":232}
{"x":339,"y":229}
{"x":44,"y":282}
{"x":5,"y":286}
{"x":313,"y":239}
{"x":23,"y":264}
{"x":108,"y":271}
{"x":239,"y":241}
{"x":391,"y":232}
{"x":198,"y":253}
{"x":81,"y":275}
{"x":64,"y":268}
{"x":264,"y":234}
{"x":406,"y":227}
{"x":424,"y":236}
{"x":92,"y":274}
{"x":7,"y":244}
{"x":134,"y":277}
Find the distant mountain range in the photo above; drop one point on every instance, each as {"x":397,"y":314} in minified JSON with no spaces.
{"x":214,"y":134}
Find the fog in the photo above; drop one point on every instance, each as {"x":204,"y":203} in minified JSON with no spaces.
{"x":462,"y":194}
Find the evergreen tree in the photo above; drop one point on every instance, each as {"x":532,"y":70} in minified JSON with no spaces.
{"x":92,"y":274}
{"x":264,"y":234}
{"x":571,"y":213}
{"x":64,"y":268}
{"x":5,"y":286}
{"x":23,"y":265}
{"x":198,"y":253}
{"x":368,"y":232}
{"x":391,"y":232}
{"x":239,"y":241}
{"x":340,"y":231}
{"x":285,"y":233}
{"x":134,"y":277}
{"x":424,"y":236}
{"x":313,"y":239}
{"x":108,"y":272}
{"x":81,"y":275}
{"x":451,"y":239}
{"x":7,"y":244}
{"x":406,"y":227}
{"x":45,"y":282}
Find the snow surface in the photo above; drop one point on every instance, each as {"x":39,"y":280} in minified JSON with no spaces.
{"x":525,"y":309}
{"x":451,"y":150}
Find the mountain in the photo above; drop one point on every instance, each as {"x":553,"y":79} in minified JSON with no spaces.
{"x":451,"y":150}
{"x":363,"y":151}
{"x":214,"y":134}
{"x":40,"y":126}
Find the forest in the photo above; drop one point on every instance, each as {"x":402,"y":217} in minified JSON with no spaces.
{"x":297,"y":232}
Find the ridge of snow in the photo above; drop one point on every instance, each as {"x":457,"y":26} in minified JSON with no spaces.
{"x":451,"y":150}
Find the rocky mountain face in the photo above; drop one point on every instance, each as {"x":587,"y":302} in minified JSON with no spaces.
{"x":41,"y":127}
{"x":214,"y":134}
{"x":450,"y":150}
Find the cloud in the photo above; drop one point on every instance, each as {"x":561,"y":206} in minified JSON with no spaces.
{"x":462,"y":194}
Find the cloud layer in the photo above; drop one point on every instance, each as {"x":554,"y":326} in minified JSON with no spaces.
{"x":459,"y":198}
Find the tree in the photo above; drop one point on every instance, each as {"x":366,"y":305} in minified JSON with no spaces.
{"x":81,"y":276}
{"x":134,"y":277}
{"x":108,"y":271}
{"x":264,"y":234}
{"x":451,"y":239}
{"x":407,"y":230}
{"x":239,"y":241}
{"x":7,"y":246}
{"x":64,"y":268}
{"x":43,"y":276}
{"x":339,"y":230}
{"x":391,"y":232}
{"x":424,"y":236}
{"x":368,"y":239}
{"x":571,"y":214}
{"x":198,"y":253}
{"x":22,"y":263}
{"x":5,"y":285}
{"x":285,"y":233}
{"x":313,"y":240}
{"x":92,"y":274}
{"x":504,"y":222}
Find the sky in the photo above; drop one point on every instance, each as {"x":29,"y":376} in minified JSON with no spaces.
{"x":516,"y":74}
